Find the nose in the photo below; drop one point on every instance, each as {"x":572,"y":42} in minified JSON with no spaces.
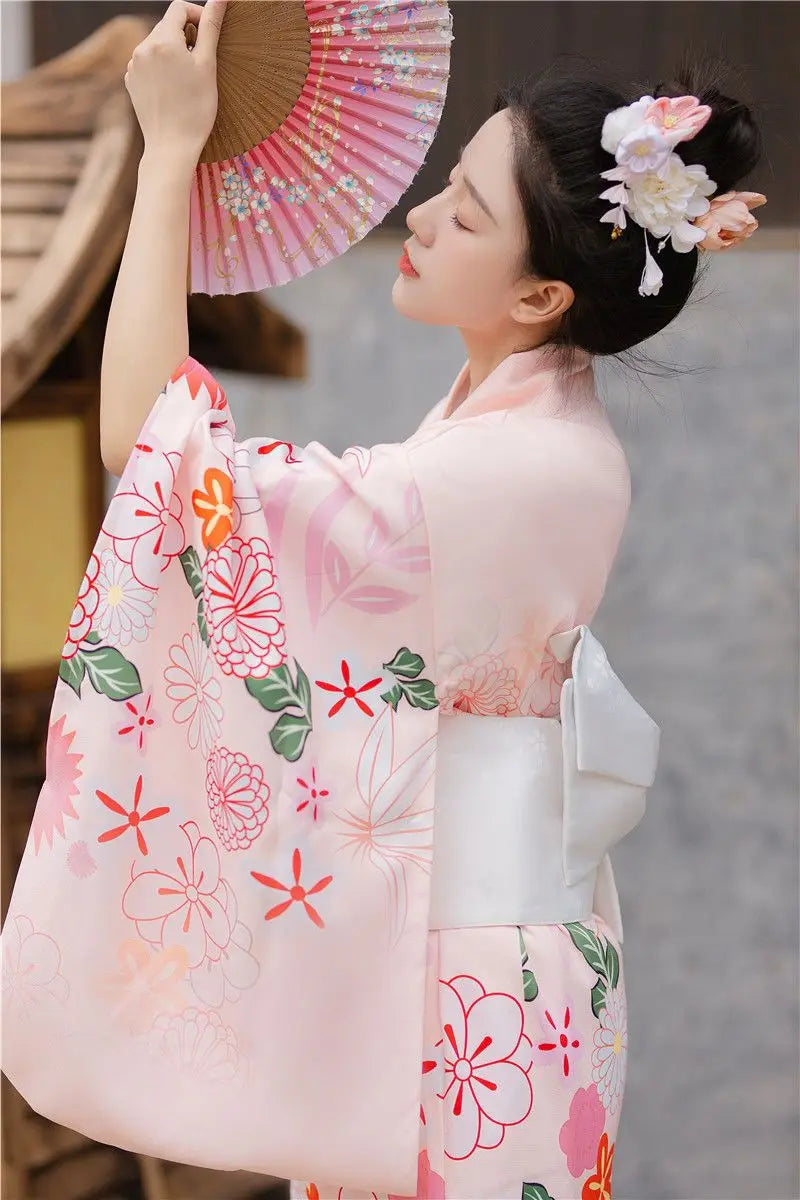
{"x":416,"y":222}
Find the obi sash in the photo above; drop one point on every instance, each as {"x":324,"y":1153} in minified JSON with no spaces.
{"x":527,"y":808}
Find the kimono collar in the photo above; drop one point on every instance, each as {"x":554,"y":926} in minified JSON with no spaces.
{"x":527,"y":377}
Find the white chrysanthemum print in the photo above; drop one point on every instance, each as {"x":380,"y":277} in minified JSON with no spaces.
{"x":124,"y":612}
{"x":609,"y":1057}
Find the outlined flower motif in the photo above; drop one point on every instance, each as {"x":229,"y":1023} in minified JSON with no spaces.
{"x":609,"y":1057}
{"x":32,"y":979}
{"x":559,"y":1044}
{"x":80,"y":622}
{"x":215,"y":507}
{"x":314,"y":794}
{"x":196,"y":1044}
{"x":487,"y":1062}
{"x":297,"y":893}
{"x":194,"y":690}
{"x":133,"y":819}
{"x":182,"y":909}
{"x":485,"y":685}
{"x":238,"y":797}
{"x":580,"y":1133}
{"x":143,"y":720}
{"x":598,"y":1185}
{"x":243,"y":608}
{"x":348,"y":691}
{"x":216,"y":981}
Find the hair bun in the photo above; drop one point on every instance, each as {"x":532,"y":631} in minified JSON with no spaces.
{"x":729,"y":145}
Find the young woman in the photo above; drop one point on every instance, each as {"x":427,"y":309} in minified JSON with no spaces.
{"x":372,"y":944}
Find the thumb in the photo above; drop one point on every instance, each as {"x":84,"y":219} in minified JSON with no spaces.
{"x":209,"y":28}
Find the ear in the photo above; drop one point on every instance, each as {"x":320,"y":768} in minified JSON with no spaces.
{"x":544,"y":301}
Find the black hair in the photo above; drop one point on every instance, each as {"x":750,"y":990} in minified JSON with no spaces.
{"x":557,"y":119}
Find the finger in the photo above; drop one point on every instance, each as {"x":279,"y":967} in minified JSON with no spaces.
{"x":209,"y":29}
{"x":179,"y":14}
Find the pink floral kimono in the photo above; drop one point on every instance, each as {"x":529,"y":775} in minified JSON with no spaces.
{"x":287,"y":674}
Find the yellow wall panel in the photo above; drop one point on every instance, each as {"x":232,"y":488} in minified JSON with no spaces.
{"x":43,"y":523}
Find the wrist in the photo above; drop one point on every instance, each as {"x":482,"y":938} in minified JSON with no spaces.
{"x":168,"y":160}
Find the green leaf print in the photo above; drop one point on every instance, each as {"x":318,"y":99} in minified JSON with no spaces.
{"x":588,"y":944}
{"x":288,"y":735}
{"x":530,"y":988}
{"x":92,"y":637}
{"x":190,"y":561}
{"x":393,"y":697}
{"x":405,"y":665}
{"x":72,"y":671}
{"x":274,"y":691}
{"x":599,"y":997}
{"x":202,"y":624}
{"x":111,"y":674}
{"x":535,"y":1191}
{"x":611,"y":959}
{"x":420,"y":693}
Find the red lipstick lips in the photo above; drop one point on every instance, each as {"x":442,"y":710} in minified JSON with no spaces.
{"x":406,"y":265}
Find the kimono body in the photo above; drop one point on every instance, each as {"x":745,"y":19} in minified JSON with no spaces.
{"x":227,"y":943}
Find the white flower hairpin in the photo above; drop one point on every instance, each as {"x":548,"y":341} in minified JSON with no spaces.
{"x":659,"y":191}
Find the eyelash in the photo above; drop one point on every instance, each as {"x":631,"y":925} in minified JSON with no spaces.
{"x":453,"y":218}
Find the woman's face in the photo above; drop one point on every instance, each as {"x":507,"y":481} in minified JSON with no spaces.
{"x":468,"y":243}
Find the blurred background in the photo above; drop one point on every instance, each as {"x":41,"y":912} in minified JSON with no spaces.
{"x":700,"y":617}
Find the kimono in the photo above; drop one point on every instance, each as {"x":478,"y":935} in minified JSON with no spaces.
{"x":227,"y":943}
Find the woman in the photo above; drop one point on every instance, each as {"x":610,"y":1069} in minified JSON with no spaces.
{"x":459,"y":569}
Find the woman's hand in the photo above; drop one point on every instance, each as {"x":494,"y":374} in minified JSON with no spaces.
{"x":174,"y":89}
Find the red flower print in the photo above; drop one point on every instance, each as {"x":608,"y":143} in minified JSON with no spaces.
{"x":487,"y":1062}
{"x":141,"y":720}
{"x":80,"y":623}
{"x":315,"y":793}
{"x":560,"y":1047}
{"x":348,"y":691}
{"x":295,"y":893}
{"x":215,"y":506}
{"x":268,"y":448}
{"x":598,"y":1186}
{"x":134,"y":817}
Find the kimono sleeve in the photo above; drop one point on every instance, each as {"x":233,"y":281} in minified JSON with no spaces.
{"x":216,"y":944}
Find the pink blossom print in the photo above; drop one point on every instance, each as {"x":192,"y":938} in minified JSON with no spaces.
{"x":80,"y":861}
{"x":487,"y":1063}
{"x":184,"y":908}
{"x":429,"y":1184}
{"x":243,"y":609}
{"x":237,"y":795}
{"x":580,"y":1133}
{"x":60,"y":786}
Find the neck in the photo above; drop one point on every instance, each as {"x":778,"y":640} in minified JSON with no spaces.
{"x":484,"y":356}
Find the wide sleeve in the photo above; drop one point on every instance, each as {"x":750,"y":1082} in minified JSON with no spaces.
{"x":215,"y":948}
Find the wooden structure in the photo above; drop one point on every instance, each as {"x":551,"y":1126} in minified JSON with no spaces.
{"x":71,"y":145}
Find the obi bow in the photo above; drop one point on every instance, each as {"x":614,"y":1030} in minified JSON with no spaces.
{"x":610,"y":752}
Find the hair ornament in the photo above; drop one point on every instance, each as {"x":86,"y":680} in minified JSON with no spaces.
{"x":656,"y":189}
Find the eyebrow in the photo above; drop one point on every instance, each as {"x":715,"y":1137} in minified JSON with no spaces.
{"x":473,"y":191}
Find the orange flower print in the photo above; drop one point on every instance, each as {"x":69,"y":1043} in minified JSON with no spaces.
{"x":312,"y":1192}
{"x":133,"y":818}
{"x":215,"y":506}
{"x":348,"y":691}
{"x":295,"y":893}
{"x":598,"y":1186}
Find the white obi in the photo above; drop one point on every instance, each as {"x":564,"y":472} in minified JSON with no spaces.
{"x":527,"y":808}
